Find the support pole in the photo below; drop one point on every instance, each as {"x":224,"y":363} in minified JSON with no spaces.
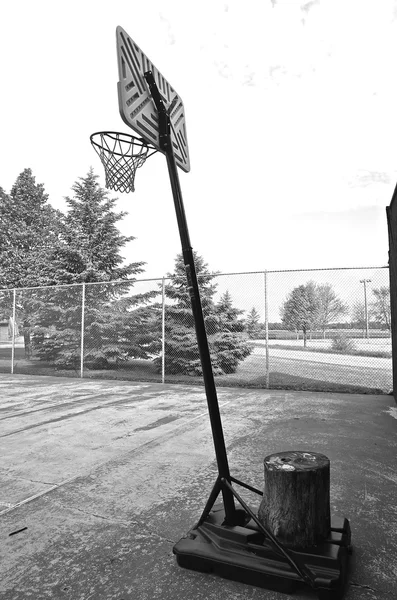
{"x":202,"y":341}
{"x":391,"y":214}
{"x":365,"y":281}
{"x":13,"y":331}
{"x":82,"y":332}
{"x":267,"y":333}
{"x":163,"y":331}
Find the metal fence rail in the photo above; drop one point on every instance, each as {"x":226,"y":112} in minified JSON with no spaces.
{"x":311,"y":329}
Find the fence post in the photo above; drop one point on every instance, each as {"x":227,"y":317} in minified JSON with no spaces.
{"x":13,"y":331}
{"x":82,"y":332}
{"x":163,"y":331}
{"x":267,"y":332}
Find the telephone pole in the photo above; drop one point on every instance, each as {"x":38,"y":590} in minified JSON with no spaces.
{"x":365,"y":281}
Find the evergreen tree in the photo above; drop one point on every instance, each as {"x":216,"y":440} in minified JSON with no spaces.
{"x":90,"y":254}
{"x":93,"y":242}
{"x":29,"y":234}
{"x":29,"y":238}
{"x":224,"y":330}
{"x":229,"y":343}
{"x":252,"y":325}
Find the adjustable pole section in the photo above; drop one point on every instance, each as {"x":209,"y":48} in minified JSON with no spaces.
{"x":212,"y":400}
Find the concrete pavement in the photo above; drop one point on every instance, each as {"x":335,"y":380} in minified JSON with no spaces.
{"x":106,"y":476}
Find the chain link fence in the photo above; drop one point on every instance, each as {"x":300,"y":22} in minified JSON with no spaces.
{"x":320,"y":330}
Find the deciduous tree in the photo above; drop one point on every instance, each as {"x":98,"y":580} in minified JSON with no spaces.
{"x":300,"y":310}
{"x":358,"y":315}
{"x":329,"y":306}
{"x":381,"y":306}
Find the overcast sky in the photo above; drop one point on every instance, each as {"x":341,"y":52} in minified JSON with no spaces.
{"x":291,"y":114}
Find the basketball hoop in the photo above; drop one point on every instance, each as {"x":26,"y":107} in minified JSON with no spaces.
{"x":121,"y":154}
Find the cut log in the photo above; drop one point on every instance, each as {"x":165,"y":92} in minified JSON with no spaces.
{"x":296,"y":506}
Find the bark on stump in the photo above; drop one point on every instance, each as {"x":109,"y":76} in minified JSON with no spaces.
{"x":296,"y":503}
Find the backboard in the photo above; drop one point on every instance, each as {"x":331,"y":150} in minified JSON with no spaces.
{"x":136,"y":106}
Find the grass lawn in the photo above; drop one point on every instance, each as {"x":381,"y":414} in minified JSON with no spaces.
{"x":284,"y":374}
{"x":5,"y":352}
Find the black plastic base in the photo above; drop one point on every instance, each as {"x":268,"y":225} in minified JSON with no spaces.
{"x":244,"y":554}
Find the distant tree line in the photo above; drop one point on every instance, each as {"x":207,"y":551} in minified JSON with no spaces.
{"x":312,"y":306}
{"x":316,"y":307}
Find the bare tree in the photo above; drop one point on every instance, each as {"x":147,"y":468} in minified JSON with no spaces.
{"x":330,"y":306}
{"x":300,"y":309}
{"x":358,"y":315}
{"x":381,"y":306}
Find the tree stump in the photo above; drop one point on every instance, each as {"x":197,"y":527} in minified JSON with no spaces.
{"x":296,"y":504}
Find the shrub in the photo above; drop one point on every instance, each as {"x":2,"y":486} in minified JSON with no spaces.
{"x":343,"y":344}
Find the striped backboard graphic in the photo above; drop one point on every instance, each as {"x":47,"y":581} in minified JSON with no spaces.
{"x":136,"y":106}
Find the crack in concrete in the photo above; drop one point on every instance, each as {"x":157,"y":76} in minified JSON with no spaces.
{"x":161,"y":537}
{"x":35,"y":496}
{"x":91,"y":514}
{"x":365,"y":499}
{"x":360,"y":585}
{"x":35,"y":480}
{"x":123,"y":522}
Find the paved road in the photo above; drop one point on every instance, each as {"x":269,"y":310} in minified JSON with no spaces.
{"x":339,"y":368}
{"x":328,"y":358}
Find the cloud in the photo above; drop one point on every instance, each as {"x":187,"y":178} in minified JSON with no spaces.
{"x":364,"y":178}
{"x":307,"y":6}
{"x":169,"y":31}
{"x":361,"y":218}
{"x":223,"y":69}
